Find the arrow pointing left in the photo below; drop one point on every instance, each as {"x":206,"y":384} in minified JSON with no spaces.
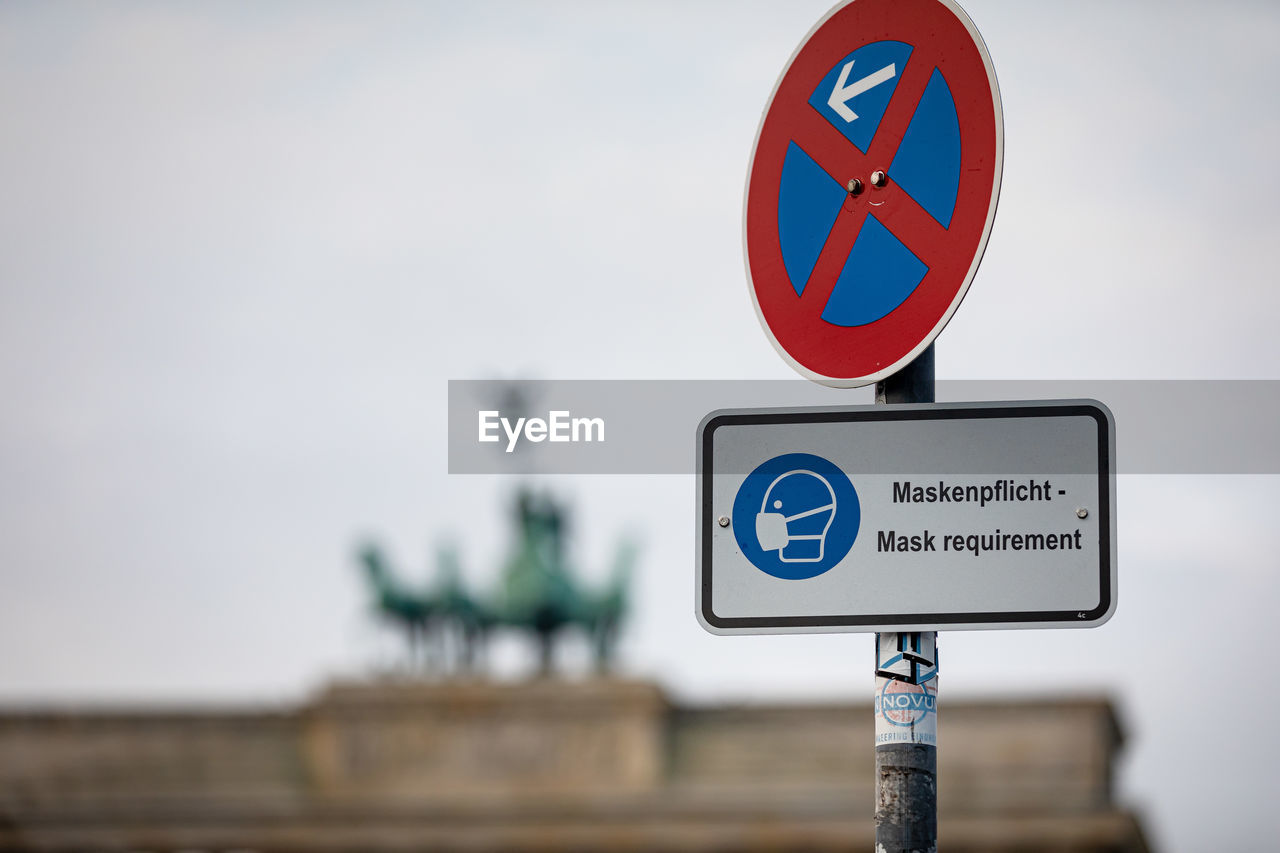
{"x":842,"y":94}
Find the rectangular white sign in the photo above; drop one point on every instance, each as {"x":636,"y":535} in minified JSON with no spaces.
{"x":946,"y":516}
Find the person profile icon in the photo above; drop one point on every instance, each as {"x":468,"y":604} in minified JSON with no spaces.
{"x":795,"y":515}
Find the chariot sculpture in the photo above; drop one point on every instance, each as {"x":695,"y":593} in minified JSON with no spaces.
{"x":448,"y":625}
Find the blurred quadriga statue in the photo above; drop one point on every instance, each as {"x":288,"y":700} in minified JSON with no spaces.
{"x":447,"y":625}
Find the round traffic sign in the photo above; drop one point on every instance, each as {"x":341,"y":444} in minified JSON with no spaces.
{"x":872,"y":187}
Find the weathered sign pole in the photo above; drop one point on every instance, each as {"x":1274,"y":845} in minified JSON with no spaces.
{"x":906,"y":747}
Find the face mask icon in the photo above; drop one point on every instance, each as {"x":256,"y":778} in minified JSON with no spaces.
{"x":795,"y":515}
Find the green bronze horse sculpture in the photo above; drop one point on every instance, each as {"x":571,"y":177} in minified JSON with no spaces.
{"x":537,"y":594}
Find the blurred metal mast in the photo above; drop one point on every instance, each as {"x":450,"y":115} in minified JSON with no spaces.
{"x":906,"y":814}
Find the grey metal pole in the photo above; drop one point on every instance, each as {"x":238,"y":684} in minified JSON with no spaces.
{"x":907,"y":693}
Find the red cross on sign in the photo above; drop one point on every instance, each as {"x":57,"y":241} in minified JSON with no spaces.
{"x":872,"y":187}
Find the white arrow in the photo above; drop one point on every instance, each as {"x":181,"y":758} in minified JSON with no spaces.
{"x":842,"y":94}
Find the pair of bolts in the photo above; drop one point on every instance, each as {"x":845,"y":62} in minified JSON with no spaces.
{"x":878,"y":179}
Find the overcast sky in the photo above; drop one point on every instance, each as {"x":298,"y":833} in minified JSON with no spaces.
{"x":243,"y":246}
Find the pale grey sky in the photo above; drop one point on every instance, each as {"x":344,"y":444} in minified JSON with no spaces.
{"x":243,"y":246}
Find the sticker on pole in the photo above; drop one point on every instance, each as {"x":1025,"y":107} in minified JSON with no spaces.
{"x":872,"y":187}
{"x":906,"y":712}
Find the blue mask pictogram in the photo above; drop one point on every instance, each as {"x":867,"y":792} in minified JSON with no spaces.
{"x":796,"y":516}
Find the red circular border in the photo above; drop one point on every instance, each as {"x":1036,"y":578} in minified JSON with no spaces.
{"x":861,"y":354}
